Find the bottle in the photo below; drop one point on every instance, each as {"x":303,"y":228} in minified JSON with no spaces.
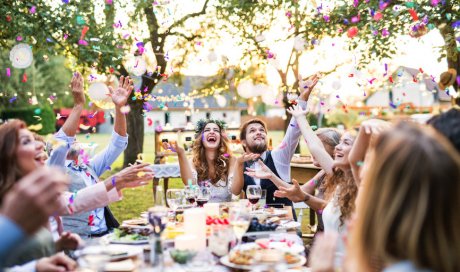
{"x":270,"y":144}
{"x":159,"y":196}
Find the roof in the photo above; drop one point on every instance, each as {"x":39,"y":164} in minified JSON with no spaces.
{"x":179,"y":95}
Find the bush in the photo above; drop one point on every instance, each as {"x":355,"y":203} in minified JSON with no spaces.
{"x":39,"y":119}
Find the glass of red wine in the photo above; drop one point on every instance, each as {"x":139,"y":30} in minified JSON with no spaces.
{"x":204,"y":194}
{"x":190,"y":194}
{"x":253,"y":192}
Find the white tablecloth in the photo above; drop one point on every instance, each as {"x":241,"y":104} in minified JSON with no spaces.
{"x":167,"y":170}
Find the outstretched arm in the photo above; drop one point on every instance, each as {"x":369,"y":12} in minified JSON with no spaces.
{"x":265,"y":173}
{"x":120,"y":97}
{"x":295,"y":194}
{"x":238,"y":172}
{"x":314,"y":143}
{"x":184,"y":164}
{"x":73,"y":120}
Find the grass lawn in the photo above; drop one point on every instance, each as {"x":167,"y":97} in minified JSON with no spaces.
{"x":140,"y":199}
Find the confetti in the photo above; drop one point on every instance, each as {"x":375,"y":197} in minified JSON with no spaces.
{"x":36,"y":127}
{"x":24,"y":77}
{"x":114,"y":184}
{"x":82,"y":37}
{"x":360,"y":163}
{"x":140,"y":174}
{"x":91,"y":220}
{"x":413,"y":14}
{"x":8,"y":72}
{"x":32,"y":9}
{"x":352,"y":32}
{"x":226,"y":155}
{"x":84,"y":127}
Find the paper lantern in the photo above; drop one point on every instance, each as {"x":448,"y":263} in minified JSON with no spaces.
{"x":99,"y":94}
{"x":245,"y":89}
{"x":299,"y":43}
{"x":21,"y":56}
{"x":221,"y":100}
{"x":260,"y":90}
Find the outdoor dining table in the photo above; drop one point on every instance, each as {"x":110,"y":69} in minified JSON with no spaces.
{"x":143,"y":263}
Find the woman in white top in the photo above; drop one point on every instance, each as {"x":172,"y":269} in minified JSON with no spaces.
{"x":339,"y":185}
{"x":212,"y":162}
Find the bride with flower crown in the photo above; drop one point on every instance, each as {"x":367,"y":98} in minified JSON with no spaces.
{"x":212,"y":163}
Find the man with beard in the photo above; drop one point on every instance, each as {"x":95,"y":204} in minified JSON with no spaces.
{"x":253,"y":136}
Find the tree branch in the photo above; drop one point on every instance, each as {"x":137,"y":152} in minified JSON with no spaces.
{"x":188,"y":16}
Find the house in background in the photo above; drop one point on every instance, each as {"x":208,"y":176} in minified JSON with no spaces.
{"x":409,"y":87}
{"x":183,"y":112}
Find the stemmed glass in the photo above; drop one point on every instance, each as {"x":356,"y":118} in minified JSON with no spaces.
{"x":158,"y":217}
{"x":174,"y":198}
{"x":253,"y":192}
{"x":94,"y":255}
{"x":204,"y":193}
{"x":239,"y":220}
{"x":190,"y":194}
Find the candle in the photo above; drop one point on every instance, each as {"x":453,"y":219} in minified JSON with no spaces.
{"x":186,"y":242}
{"x":211,"y":209}
{"x":195,"y":224}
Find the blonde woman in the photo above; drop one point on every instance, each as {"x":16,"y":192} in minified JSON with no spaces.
{"x":408,"y":219}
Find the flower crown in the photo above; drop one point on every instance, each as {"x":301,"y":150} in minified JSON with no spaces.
{"x":203,"y":122}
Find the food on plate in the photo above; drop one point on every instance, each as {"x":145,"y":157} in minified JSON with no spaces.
{"x":136,"y":222}
{"x":126,"y":234}
{"x":274,"y":219}
{"x":261,"y":255}
{"x":210,"y":220}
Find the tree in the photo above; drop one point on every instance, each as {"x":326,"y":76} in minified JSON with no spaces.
{"x":376,"y":24}
{"x":88,"y":35}
{"x":293,"y":24}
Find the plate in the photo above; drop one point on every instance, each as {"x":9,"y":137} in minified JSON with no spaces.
{"x":116,"y":252}
{"x":225,"y":261}
{"x":275,"y":212}
{"x":111,"y":239}
{"x":289,"y":225}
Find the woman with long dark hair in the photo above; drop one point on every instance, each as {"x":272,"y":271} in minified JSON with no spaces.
{"x":212,"y":161}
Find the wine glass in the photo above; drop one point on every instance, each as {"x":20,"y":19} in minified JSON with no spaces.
{"x":239,"y":220}
{"x":93,"y":256}
{"x":174,"y":198}
{"x":204,"y":193}
{"x":190,"y":194}
{"x":253,"y":192}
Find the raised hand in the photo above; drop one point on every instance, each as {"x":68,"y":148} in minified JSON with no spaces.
{"x":297,"y":111}
{"x":121,"y":94}
{"x":77,"y":89}
{"x":294,"y":192}
{"x":374,"y":126}
{"x":133,"y":176}
{"x":68,"y":241}
{"x":306,"y":86}
{"x":173,"y":146}
{"x":247,"y":157}
{"x":262,"y":173}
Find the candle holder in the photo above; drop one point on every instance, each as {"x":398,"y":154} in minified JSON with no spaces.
{"x":158,"y":217}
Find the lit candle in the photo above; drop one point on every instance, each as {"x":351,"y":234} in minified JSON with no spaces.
{"x":211,"y":209}
{"x":195,"y":224}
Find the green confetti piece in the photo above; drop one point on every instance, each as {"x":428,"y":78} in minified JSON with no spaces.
{"x":431,"y":26}
{"x":38,"y":111}
{"x":410,"y":4}
{"x":80,"y":20}
{"x":360,"y":163}
{"x":448,"y":16}
{"x":314,"y":127}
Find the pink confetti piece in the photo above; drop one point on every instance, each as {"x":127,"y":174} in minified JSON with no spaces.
{"x":32,"y":9}
{"x":8,"y":72}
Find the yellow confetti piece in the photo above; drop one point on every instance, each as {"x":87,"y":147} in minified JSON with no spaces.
{"x":36,"y":127}
{"x":140,"y":174}
{"x":38,"y":117}
{"x":140,"y":157}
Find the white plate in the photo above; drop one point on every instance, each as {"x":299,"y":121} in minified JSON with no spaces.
{"x":289,"y":225}
{"x":276,"y":212}
{"x":111,"y":239}
{"x":282,"y":246}
{"x":117,"y":252}
{"x":225,"y":261}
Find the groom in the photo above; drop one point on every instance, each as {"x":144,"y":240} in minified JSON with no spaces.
{"x":253,"y":136}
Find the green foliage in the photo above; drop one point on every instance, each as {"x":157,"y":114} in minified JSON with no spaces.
{"x":39,"y":119}
{"x":47,"y":79}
